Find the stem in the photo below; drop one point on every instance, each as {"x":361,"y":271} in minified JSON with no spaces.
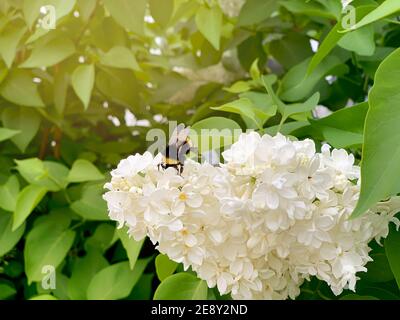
{"x":67,"y":196}
{"x":322,"y":295}
{"x":280,"y":125}
{"x":365,"y":88}
{"x":44,"y":143}
{"x":78,"y":225}
{"x":57,"y":139}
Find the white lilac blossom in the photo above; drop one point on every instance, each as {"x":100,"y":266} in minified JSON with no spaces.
{"x":272,"y":215}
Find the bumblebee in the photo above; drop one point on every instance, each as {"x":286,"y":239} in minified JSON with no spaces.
{"x":179,"y":146}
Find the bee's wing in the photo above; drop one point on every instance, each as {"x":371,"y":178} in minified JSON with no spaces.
{"x":175,"y":135}
{"x":183,"y":134}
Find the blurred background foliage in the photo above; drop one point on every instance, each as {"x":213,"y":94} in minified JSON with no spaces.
{"x":76,"y":99}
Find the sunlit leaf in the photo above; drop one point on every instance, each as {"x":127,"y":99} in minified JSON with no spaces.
{"x":46,"y":244}
{"x":83,"y":82}
{"x":209,"y":22}
{"x":20,"y":89}
{"x":381,"y":124}
{"x":181,"y":286}
{"x":27,"y":200}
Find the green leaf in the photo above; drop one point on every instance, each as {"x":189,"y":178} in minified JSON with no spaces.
{"x":129,"y":14}
{"x":255,"y":71}
{"x":296,"y":108}
{"x":255,"y":11}
{"x":102,"y":239}
{"x":116,"y":281}
{"x":262,"y":102}
{"x":9,"y":193}
{"x":164,"y":267}
{"x":291,"y":109}
{"x":24,"y":120}
{"x":381,"y":161}
{"x":291,"y":49}
{"x":8,"y":238}
{"x":46,"y":244}
{"x":61,"y":84}
{"x":239,"y":87}
{"x":91,"y":205}
{"x":20,"y":89}
{"x":61,"y":216}
{"x":325,"y":47}
{"x":161,"y":11}
{"x":48,"y":174}
{"x":297,"y":85}
{"x":7,"y":291}
{"x":246,"y":109}
{"x":379,"y":269}
{"x":31,"y":9}
{"x":287,"y":128}
{"x":357,"y":297}
{"x":83,"y":271}
{"x":83,"y":82}
{"x":343,"y":128}
{"x":44,"y":297}
{"x":309,"y":8}
{"x":119,"y":86}
{"x":60,"y":290}
{"x":120,"y":57}
{"x":27,"y":200}
{"x":209,"y":23}
{"x":50,"y":53}
{"x":132,"y":247}
{"x":9,"y":40}
{"x":86,"y":8}
{"x":334,"y":36}
{"x":82,"y":171}
{"x":380,"y":293}
{"x":181,"y":286}
{"x":214,"y":133}
{"x":3,"y":74}
{"x":31,"y":169}
{"x":6,"y":134}
{"x":361,"y":41}
{"x":392,"y":245}
{"x":143,"y":289}
{"x":387,"y":8}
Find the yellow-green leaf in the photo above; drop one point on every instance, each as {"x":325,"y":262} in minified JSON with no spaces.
{"x":27,"y":200}
{"x":83,"y":83}
{"x":8,"y":237}
{"x":181,"y":286}
{"x":9,"y":193}
{"x":83,"y":170}
{"x":50,"y":53}
{"x":20,"y":89}
{"x":120,"y":57}
{"x":46,"y":244}
{"x":209,"y":22}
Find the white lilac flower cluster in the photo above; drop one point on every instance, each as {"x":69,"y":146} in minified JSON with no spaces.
{"x":275,"y":213}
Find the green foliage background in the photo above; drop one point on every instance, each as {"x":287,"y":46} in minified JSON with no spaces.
{"x":65,"y":96}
